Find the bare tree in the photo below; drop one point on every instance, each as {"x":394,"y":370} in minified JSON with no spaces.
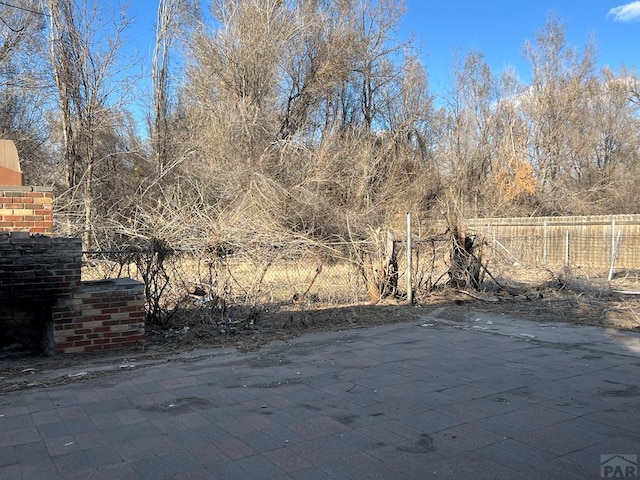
{"x":607,"y":172}
{"x":466,"y":150}
{"x":562,"y":78}
{"x":376,"y":24}
{"x":85,"y":58}
{"x":23,"y":87}
{"x":20,"y":27}
{"x":174,"y":16}
{"x":513,"y":176}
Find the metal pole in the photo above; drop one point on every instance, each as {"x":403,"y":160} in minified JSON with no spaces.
{"x":613,"y":239}
{"x":614,"y":254}
{"x":544,"y":243}
{"x":566,"y":249}
{"x":409,"y":257}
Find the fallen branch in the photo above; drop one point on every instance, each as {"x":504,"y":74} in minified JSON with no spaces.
{"x":498,"y":284}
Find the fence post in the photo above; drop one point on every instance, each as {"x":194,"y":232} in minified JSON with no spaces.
{"x":613,"y":239}
{"x":409,"y":247}
{"x":566,"y":249}
{"x":614,"y":253}
{"x":544,"y":243}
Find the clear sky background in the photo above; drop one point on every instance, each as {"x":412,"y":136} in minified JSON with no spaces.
{"x":497,"y":28}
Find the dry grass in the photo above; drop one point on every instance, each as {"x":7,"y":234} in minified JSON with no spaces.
{"x":240,"y":280}
{"x":254,"y":300}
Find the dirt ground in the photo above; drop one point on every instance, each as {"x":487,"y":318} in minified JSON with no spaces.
{"x":582,"y":303}
{"x":610,"y":304}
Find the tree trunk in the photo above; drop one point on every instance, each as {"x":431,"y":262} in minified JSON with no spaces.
{"x":381,"y":271}
{"x":465,"y":268}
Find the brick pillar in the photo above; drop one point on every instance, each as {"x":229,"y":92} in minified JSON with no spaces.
{"x":26,"y":209}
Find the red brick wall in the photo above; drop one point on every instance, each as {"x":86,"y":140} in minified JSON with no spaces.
{"x":85,"y":316}
{"x":100,"y":316}
{"x":26,"y":209}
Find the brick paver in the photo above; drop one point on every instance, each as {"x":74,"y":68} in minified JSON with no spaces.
{"x":397,"y":401}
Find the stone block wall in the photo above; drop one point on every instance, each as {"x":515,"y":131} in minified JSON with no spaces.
{"x":26,"y":209}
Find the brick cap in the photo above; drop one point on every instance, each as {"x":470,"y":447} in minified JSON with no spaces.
{"x":28,"y":188}
{"x":112,"y":284}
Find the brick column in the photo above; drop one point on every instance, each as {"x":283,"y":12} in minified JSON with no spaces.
{"x":26,"y":209}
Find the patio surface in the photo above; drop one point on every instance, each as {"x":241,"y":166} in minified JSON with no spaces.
{"x":495,"y":398}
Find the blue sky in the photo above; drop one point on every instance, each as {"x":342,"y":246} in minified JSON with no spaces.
{"x":498,"y":28}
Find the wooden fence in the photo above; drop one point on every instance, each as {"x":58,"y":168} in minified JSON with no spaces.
{"x":585,"y":241}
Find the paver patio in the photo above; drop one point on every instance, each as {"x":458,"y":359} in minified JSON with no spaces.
{"x":493,"y":400}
